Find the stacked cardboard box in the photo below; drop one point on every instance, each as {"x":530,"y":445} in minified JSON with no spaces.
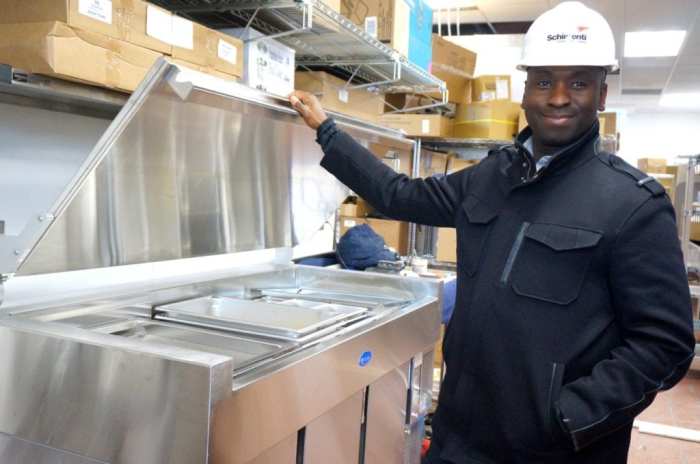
{"x":450,"y":63}
{"x":496,"y":119}
{"x":335,"y":96}
{"x":491,"y":114}
{"x":111,"y":43}
{"x":455,"y":66}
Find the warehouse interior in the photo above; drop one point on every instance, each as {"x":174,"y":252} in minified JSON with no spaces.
{"x":207,"y":257}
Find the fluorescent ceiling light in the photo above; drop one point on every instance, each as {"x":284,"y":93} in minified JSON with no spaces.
{"x":687,"y":100}
{"x":645,"y":44}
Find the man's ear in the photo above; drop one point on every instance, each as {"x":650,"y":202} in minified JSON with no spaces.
{"x":603,"y":96}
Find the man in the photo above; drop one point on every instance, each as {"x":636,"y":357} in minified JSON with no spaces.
{"x":573,"y":307}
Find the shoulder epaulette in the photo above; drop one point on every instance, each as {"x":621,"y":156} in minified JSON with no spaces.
{"x":641,"y":179}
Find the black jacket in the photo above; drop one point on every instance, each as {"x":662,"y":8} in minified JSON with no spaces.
{"x":573,"y":306}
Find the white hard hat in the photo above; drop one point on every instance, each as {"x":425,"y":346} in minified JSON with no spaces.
{"x":570,"y":34}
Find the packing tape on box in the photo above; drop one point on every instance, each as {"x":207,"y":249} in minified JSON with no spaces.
{"x":124,"y":20}
{"x":489,"y":121}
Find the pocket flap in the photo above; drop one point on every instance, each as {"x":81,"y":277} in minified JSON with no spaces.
{"x":477,"y":211}
{"x":560,"y":238}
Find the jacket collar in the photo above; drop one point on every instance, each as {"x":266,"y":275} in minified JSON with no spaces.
{"x":519,"y":164}
{"x":568,"y":157}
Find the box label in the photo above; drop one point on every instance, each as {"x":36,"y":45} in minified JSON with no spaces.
{"x":228,"y":52}
{"x":343,"y":95}
{"x":159,"y":24}
{"x":349,"y":223}
{"x":183,"y":33}
{"x":371,"y":26}
{"x":100,"y":10}
{"x":425,"y":126}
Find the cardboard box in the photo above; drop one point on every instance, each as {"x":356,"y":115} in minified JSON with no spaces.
{"x":446,"y":244}
{"x":459,"y":89}
{"x":331,"y":91}
{"x":608,"y":123}
{"x":406,"y":28}
{"x":120,"y":19}
{"x":268,"y":65}
{"x":55,"y":49}
{"x":457,"y":164}
{"x":89,"y":15}
{"x":522,"y":120}
{"x":654,"y":165}
{"x":452,"y":59}
{"x":394,"y":233}
{"x":355,"y":207}
{"x":433,"y":163}
{"x":212,"y":50}
{"x":419,"y":125}
{"x":396,"y":157}
{"x":490,"y":88}
{"x":496,"y":120}
{"x":437,"y":359}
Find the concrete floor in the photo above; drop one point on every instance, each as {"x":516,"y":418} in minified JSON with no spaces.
{"x":678,"y":407}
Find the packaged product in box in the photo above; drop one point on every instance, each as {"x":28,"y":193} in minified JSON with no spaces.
{"x":452,"y":59}
{"x":406,"y":27}
{"x":489,"y":88}
{"x":446,"y":245}
{"x":355,"y":207}
{"x":609,"y":123}
{"x":654,"y":165}
{"x":497,"y":120}
{"x":268,"y":65}
{"x":522,"y":120}
{"x":457,"y":164}
{"x":89,"y":15}
{"x":120,"y":19}
{"x":55,"y":49}
{"x":210,"y":49}
{"x":418,"y":125}
{"x":335,"y":96}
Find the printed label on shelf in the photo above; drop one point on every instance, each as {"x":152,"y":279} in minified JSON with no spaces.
{"x":371,"y":26}
{"x":159,"y":24}
{"x":488,"y":95}
{"x":349,"y":223}
{"x":100,"y":10}
{"x":183,"y":33}
{"x":228,"y":52}
{"x":425,"y":126}
{"x":502,"y":89}
{"x":343,"y":95}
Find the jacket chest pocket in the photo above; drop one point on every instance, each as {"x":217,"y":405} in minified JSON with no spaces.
{"x":552,"y":261}
{"x":472,"y":233}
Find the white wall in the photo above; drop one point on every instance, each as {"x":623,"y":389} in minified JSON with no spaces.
{"x":658,"y":134}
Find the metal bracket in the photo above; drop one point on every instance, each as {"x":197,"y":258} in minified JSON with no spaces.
{"x":307,"y":24}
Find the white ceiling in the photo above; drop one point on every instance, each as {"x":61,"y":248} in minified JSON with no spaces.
{"x":676,"y":74}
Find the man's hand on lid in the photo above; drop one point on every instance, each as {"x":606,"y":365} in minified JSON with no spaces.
{"x":308,"y":107}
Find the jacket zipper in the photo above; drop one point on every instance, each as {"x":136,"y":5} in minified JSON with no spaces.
{"x":514,"y":253}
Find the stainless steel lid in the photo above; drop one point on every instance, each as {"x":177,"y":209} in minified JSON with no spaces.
{"x":191,"y":166}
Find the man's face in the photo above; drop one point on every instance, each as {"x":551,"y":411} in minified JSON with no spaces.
{"x":561,"y":103}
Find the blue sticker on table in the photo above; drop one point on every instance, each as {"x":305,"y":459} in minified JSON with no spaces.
{"x":365,"y":358}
